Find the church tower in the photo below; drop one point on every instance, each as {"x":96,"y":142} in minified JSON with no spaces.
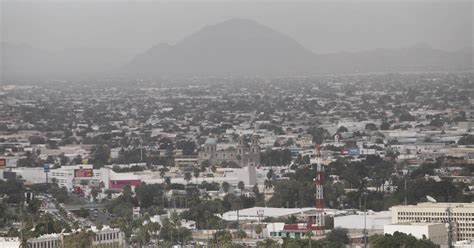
{"x":254,"y":150}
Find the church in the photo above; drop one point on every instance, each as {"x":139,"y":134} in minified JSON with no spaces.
{"x":244,"y":154}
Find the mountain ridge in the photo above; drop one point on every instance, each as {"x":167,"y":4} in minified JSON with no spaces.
{"x":237,"y":47}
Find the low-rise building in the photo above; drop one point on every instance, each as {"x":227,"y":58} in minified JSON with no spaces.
{"x":461,"y":215}
{"x":436,"y":232}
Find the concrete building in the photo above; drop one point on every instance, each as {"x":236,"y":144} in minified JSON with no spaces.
{"x":462,"y":216}
{"x":374,"y":221}
{"x":9,"y":242}
{"x":66,"y":176}
{"x":108,"y":236}
{"x":105,"y":237}
{"x":48,"y":240}
{"x":242,"y":155}
{"x":259,"y":213}
{"x":464,"y":244}
{"x":436,"y":232}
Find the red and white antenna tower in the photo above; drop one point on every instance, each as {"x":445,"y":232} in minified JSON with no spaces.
{"x":319,"y":181}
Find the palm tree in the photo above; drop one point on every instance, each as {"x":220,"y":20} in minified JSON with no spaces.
{"x":258,"y":230}
{"x":267,"y":184}
{"x":241,"y":186}
{"x":163,"y":172}
{"x":270,"y":174}
{"x":225,"y":187}
{"x":206,"y":196}
{"x":196,"y":174}
{"x":187,"y":177}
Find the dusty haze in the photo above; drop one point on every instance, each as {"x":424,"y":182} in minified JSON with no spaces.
{"x":106,"y":35}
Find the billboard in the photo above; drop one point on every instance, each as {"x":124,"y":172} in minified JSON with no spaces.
{"x":3,"y":162}
{"x":354,"y":152}
{"x":83,"y":173}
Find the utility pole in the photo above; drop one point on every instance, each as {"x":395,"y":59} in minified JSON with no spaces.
{"x":405,"y":191}
{"x":319,"y":201}
{"x":21,"y":217}
{"x":450,"y":228}
{"x":365,"y":218}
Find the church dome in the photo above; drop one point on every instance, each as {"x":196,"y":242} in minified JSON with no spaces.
{"x":210,"y":141}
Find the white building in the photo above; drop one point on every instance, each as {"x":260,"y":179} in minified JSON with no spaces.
{"x":9,"y":242}
{"x":260,"y":213}
{"x":48,"y":240}
{"x":464,"y":244}
{"x":436,"y":232}
{"x":462,"y":216}
{"x":108,"y":236}
{"x":66,"y":176}
{"x":374,"y":221}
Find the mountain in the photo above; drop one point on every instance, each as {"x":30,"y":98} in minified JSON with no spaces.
{"x":245,"y":47}
{"x":234,"y":47}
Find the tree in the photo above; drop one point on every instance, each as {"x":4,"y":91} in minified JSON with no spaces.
{"x":221,"y":238}
{"x":60,"y":194}
{"x":187,"y":177}
{"x":268,"y":184}
{"x":256,"y":191}
{"x":267,"y":243}
{"x":172,"y":232}
{"x":437,"y":122}
{"x":258,"y":230}
{"x":371,"y":127}
{"x":466,"y":140}
{"x":385,"y":126}
{"x":342,"y":129}
{"x":240,"y":234}
{"x":196,"y":172}
{"x":163,"y":171}
{"x":225,"y":187}
{"x":270,"y":174}
{"x":77,"y":160}
{"x":187,"y":146}
{"x":405,"y":116}
{"x":241,"y":186}
{"x":319,"y":134}
{"x":338,"y":235}
{"x":100,"y":155}
{"x":399,"y":239}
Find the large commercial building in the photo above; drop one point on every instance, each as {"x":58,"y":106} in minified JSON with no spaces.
{"x":68,"y":176}
{"x":106,"y":237}
{"x":461,"y":214}
{"x":436,"y":232}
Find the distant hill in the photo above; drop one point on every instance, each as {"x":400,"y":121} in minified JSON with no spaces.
{"x":234,"y":47}
{"x":244,"y":47}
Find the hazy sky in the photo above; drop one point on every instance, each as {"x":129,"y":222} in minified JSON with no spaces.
{"x":322,"y":26}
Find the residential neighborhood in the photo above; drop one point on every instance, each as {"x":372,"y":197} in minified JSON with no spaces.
{"x":330,"y":161}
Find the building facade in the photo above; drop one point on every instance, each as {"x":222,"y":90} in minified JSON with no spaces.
{"x":436,"y":232}
{"x":461,"y":215}
{"x":243,"y":155}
